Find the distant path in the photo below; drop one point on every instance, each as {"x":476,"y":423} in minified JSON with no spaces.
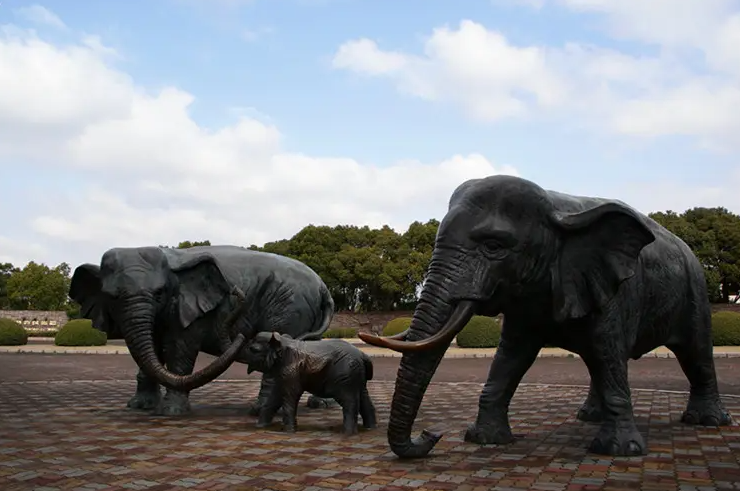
{"x":646,"y":373}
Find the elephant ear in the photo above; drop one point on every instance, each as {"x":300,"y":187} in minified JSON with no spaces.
{"x":600,"y":249}
{"x":202,"y":285}
{"x":85,"y":290}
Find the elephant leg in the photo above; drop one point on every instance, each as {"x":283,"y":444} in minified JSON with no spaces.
{"x":180,"y":358}
{"x":147,"y":395}
{"x":367,"y":410}
{"x":315,"y":402}
{"x":270,"y":408}
{"x":350,"y":402}
{"x":511,"y":362}
{"x":267,"y":387}
{"x":592,"y":410}
{"x":697,"y":362}
{"x":618,"y":434}
{"x":292,"y":393}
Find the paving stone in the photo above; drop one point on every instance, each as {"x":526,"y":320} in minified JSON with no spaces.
{"x":80,"y":436}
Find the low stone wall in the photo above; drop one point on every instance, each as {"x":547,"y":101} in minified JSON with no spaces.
{"x":36,"y":319}
{"x":734,"y":307}
{"x":375,"y":321}
{"x":370,"y":321}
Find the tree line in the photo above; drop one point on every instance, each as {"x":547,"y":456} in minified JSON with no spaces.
{"x":380,"y":269}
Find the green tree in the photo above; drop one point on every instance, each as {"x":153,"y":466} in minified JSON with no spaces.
{"x":39,"y":287}
{"x":186,"y":244}
{"x":714,"y":236}
{"x":365,"y":269}
{"x":6,"y":270}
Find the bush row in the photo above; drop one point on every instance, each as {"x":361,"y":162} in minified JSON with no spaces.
{"x":77,"y":332}
{"x":484,"y":332}
{"x":480,"y":332}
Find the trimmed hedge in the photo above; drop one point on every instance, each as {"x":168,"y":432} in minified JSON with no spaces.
{"x":340,"y":333}
{"x":12,"y":333}
{"x":480,"y":332}
{"x":726,"y":328}
{"x":80,"y":332}
{"x":41,"y":333}
{"x":396,"y":326}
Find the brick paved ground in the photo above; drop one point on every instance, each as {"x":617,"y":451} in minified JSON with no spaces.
{"x":79,"y":436}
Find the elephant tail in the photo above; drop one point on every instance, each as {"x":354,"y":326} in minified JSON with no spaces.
{"x":327,"y":313}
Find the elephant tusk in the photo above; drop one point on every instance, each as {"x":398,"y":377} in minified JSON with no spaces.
{"x":457,"y":321}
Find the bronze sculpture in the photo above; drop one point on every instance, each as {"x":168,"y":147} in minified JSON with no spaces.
{"x":590,"y":275}
{"x":331,"y":368}
{"x":169,"y":304}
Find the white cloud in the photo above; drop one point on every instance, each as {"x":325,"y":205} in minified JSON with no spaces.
{"x":40,"y":15}
{"x":142,"y":171}
{"x":671,"y":92}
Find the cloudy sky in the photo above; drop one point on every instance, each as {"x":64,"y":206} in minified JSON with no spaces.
{"x":151,"y":122}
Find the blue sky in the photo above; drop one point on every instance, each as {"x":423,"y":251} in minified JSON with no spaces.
{"x":277,"y":63}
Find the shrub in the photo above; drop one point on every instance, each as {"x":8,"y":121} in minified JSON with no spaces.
{"x":41,"y":333}
{"x":480,"y":332}
{"x":340,"y":332}
{"x":726,"y":328}
{"x":12,"y":333}
{"x":80,"y":332}
{"x":396,"y":326}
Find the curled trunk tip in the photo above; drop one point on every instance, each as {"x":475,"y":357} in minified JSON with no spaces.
{"x":419,"y":447}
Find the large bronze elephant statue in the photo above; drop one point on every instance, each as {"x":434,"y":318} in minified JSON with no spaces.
{"x":169,"y":304}
{"x":590,"y":275}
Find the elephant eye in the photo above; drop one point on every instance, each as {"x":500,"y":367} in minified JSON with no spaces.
{"x":492,"y":245}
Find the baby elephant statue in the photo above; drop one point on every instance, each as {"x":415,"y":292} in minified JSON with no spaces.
{"x":329,"y":368}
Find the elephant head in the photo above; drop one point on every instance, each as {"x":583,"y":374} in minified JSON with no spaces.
{"x":264,"y":351}
{"x":503,"y":241}
{"x":135,"y":289}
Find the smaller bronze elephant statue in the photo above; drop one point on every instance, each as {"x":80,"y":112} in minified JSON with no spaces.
{"x":329,"y":368}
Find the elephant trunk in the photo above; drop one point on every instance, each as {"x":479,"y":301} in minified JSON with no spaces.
{"x":434,"y":318}
{"x":138,"y":328}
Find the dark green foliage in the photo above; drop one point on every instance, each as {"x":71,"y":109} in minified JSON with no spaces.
{"x":713,"y":234}
{"x":726,"y":328}
{"x":365,"y":269}
{"x":80,"y":332}
{"x":480,"y":332}
{"x":38,"y":287}
{"x":188,"y":244}
{"x":41,"y":333}
{"x":340,"y":332}
{"x":12,"y":333}
{"x":396,"y":326}
{"x":6,"y":270}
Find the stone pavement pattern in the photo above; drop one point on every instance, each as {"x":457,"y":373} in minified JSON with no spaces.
{"x":79,"y":436}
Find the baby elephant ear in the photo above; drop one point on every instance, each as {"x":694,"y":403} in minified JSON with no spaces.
{"x":600,"y":248}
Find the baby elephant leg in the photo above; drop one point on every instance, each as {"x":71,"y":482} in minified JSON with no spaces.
{"x":350,"y":402}
{"x":315,"y":402}
{"x":367,"y":410}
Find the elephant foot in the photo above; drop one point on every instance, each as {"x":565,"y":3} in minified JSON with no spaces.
{"x":620,"y":439}
{"x":489,"y":434}
{"x":706,"y":412}
{"x":350,"y":429}
{"x":289,"y":428}
{"x":145,"y":400}
{"x":255,"y":407}
{"x":261,"y":423}
{"x":173,"y":405}
{"x":319,"y":402}
{"x":369,"y":424}
{"x":590,"y":413}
